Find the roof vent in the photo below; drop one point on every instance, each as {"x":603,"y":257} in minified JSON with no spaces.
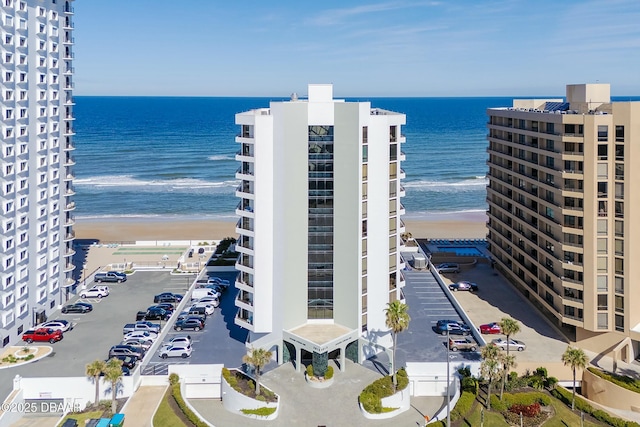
{"x":294,"y":96}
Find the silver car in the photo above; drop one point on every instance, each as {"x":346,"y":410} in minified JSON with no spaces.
{"x":513,"y":344}
{"x":448,"y":267}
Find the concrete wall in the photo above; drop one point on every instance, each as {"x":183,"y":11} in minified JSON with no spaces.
{"x":609,"y":394}
{"x":234,"y":402}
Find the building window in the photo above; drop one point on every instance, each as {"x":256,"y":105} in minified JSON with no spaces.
{"x":393,"y":152}
{"x":619,"y":186}
{"x":602,"y":264}
{"x":619,"y":152}
{"x":619,"y":264}
{"x":619,"y":133}
{"x":619,"y":209}
{"x":603,"y":133}
{"x":393,"y":170}
{"x":619,"y":171}
{"x":602,"y":284}
{"x":619,"y":247}
{"x":393,"y":133}
{"x":365,"y":153}
{"x":365,"y":134}
{"x":602,"y":246}
{"x":619,"y":323}
{"x":393,"y":189}
{"x":603,"y":321}
{"x":602,"y":227}
{"x":603,"y":171}
{"x":619,"y":301}
{"x":602,"y":151}
{"x":619,"y":285}
{"x":602,"y":189}
{"x":619,"y":228}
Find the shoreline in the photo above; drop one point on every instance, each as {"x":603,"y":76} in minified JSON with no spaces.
{"x":118,"y":229}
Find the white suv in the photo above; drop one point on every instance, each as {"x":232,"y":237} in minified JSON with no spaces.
{"x":93,"y":293}
{"x":178,"y":350}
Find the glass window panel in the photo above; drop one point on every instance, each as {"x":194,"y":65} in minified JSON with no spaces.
{"x":393,"y":170}
{"x":393,"y":188}
{"x":619,"y":133}
{"x":602,"y":226}
{"x":619,"y":263}
{"x":365,"y":172}
{"x":619,"y":247}
{"x":393,"y":152}
{"x":619,"y":229}
{"x":393,"y":262}
{"x":364,"y":265}
{"x":602,"y":284}
{"x":602,"y":264}
{"x":393,"y":243}
{"x":602,"y":246}
{"x":364,"y":209}
{"x":603,"y":171}
{"x":365,"y":188}
{"x":603,"y":133}
{"x":364,"y":247}
{"x":619,"y":190}
{"x":602,"y":302}
{"x":603,"y":321}
{"x":619,"y":285}
{"x":619,"y":323}
{"x":619,"y":303}
{"x":365,"y":153}
{"x":392,"y":206}
{"x":393,"y":224}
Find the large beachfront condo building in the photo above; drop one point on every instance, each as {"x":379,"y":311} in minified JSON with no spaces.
{"x":35,"y":156}
{"x":563,"y":211}
{"x":319,"y":228}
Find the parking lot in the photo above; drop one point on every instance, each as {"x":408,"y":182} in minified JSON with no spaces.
{"x":95,"y":332}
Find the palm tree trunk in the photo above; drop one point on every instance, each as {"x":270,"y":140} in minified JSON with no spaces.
{"x":393,"y":359}
{"x":573,"y":399}
{"x":97,"y":380}
{"x":257,"y":382}
{"x":489,"y":395}
{"x":113,"y":397}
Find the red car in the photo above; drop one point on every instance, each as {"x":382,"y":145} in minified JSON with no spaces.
{"x":490,"y":328}
{"x":42,"y":334}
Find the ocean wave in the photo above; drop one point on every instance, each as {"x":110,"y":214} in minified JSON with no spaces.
{"x":472,"y":184}
{"x":221,"y":157}
{"x":130,"y":181}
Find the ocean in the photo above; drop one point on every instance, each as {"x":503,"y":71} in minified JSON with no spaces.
{"x":175,"y":156}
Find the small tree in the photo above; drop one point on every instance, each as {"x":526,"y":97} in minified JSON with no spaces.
{"x":397,"y":319}
{"x":113,"y":374}
{"x":509,"y":327}
{"x":575,"y":358}
{"x":258,"y":358}
{"x":490,"y":368}
{"x":94,"y":370}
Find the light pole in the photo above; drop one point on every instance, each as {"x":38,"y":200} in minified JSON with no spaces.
{"x":448,"y":382}
{"x":84,"y":276}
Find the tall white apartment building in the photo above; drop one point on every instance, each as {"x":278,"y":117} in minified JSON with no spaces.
{"x":319,"y":229}
{"x":35,"y":157}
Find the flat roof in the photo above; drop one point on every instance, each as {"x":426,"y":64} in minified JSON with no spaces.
{"x":320,"y":333}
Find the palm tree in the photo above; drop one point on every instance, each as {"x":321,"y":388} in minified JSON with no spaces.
{"x":94,"y":370}
{"x":258,"y":358}
{"x":113,"y":374}
{"x":397,"y":319}
{"x":508,"y":362}
{"x":490,"y":367}
{"x":575,"y":358}
{"x":509,"y":327}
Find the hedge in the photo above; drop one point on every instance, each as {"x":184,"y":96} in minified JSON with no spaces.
{"x":174,"y":380}
{"x":372,"y":395}
{"x":463,"y":406}
{"x":620,"y":380}
{"x":523,"y":399}
{"x":261,"y":412}
{"x":582,"y":405}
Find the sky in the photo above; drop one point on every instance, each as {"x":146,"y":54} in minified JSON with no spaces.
{"x":392,"y":48}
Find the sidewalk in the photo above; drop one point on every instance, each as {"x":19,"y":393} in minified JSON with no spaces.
{"x":142,"y":406}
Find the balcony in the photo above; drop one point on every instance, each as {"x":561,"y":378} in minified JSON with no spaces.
{"x":69,"y":221}
{"x":244,"y":319}
{"x":69,"y":267}
{"x":69,"y":161}
{"x":244,"y":300}
{"x":68,"y":40}
{"x":70,"y":206}
{"x":69,"y":236}
{"x":68,"y":9}
{"x":69,"y":101}
{"x":69,"y":253}
{"x":69,"y":131}
{"x":243,"y":226}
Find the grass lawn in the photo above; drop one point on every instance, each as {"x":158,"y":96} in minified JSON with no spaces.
{"x":563,"y":417}
{"x":83,"y":417}
{"x":165,"y":416}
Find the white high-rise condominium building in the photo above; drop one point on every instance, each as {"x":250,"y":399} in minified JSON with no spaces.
{"x":35,"y":157}
{"x":319,"y":229}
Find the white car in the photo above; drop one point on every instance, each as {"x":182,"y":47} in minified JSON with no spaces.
{"x":178,"y":350}
{"x":93,"y":293}
{"x":140,"y":335}
{"x":176,"y":341}
{"x":60,"y":325}
{"x":138,"y":342}
{"x":208,"y":308}
{"x":209,"y":300}
{"x":104,"y":289}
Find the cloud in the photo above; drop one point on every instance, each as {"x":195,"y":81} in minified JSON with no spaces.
{"x":337,"y":16}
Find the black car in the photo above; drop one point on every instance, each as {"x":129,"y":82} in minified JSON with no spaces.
{"x":167,"y":297}
{"x":167,"y":306}
{"x":153,"y":313}
{"x":454,"y":327}
{"x":187,"y":315}
{"x":125,"y":350}
{"x":188,"y":323}
{"x":77,"y":308}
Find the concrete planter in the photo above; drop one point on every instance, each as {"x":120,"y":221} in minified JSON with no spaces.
{"x":400,"y":400}
{"x":318,"y":382}
{"x":234,"y":402}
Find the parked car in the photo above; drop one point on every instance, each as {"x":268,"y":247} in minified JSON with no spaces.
{"x":125,"y":350}
{"x":464,"y":286}
{"x":93,"y":293}
{"x":110,"y":276}
{"x":138,"y":342}
{"x":142,"y":325}
{"x":201,"y":311}
{"x":202,"y":292}
{"x":209,"y":309}
{"x":490,"y":328}
{"x":188,"y":323}
{"x":103,"y":288}
{"x":448,"y":267}
{"x":42,"y":334}
{"x":143,"y":335}
{"x":513,"y":344}
{"x":218,"y":281}
{"x":60,"y":325}
{"x":178,"y":350}
{"x":214,"y":301}
{"x":193,"y":315}
{"x":167,"y":297}
{"x":76,"y":308}
{"x":167,"y":306}
{"x":153,"y":313}
{"x":179,"y":340}
{"x":456,"y":344}
{"x":453,"y":326}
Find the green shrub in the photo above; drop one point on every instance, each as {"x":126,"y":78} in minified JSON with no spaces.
{"x":261,"y":398}
{"x":519,"y":399}
{"x":174,"y":379}
{"x":551,"y":382}
{"x":329,"y":373}
{"x":310,"y":370}
{"x":177,"y":396}
{"x":469,"y":384}
{"x":542,"y":372}
{"x":370,"y":402}
{"x":261,"y":412}
{"x":536,"y":381}
{"x":565,"y":395}
{"x":464,"y":372}
{"x":621,"y":380}
{"x":29,"y":357}
{"x":463,"y":406}
{"x":372,"y":395}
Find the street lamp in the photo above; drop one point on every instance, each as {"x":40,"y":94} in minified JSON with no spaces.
{"x":84,"y":275}
{"x":448,"y":382}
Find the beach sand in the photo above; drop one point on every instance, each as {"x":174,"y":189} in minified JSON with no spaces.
{"x":470,"y":225}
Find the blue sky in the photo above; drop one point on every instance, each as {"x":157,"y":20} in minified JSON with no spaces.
{"x":365,"y":48}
